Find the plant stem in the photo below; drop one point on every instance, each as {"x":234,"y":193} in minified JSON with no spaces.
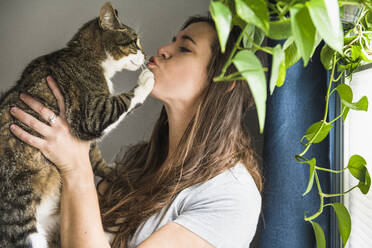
{"x":258,"y":46}
{"x":339,"y":194}
{"x":329,"y":86}
{"x":329,"y":170}
{"x":326,"y":107}
{"x":225,"y":79}
{"x":360,"y":33}
{"x":339,"y":77}
{"x":284,"y":11}
{"x":321,"y":200}
{"x":339,"y":116}
{"x":273,"y":8}
{"x":229,"y":60}
{"x":228,"y":77}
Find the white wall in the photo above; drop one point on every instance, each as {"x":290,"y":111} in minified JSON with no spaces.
{"x":358,"y":136}
{"x":29,"y":29}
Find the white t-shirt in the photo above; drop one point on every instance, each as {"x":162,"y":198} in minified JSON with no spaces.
{"x":223,"y":210}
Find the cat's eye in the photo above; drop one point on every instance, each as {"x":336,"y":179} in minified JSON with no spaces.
{"x":184,"y":49}
{"x":128,"y":43}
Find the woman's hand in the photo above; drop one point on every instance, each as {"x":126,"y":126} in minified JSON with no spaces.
{"x":67,"y":152}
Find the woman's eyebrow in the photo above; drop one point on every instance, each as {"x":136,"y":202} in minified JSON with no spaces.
{"x":184,"y":37}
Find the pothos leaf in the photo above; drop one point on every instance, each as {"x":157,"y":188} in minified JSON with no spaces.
{"x":319,"y":235}
{"x":245,"y":60}
{"x":222,"y":17}
{"x":343,"y":220}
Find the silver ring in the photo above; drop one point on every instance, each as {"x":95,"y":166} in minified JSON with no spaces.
{"x":52,"y":119}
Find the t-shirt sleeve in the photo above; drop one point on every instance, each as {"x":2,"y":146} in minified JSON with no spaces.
{"x":225,"y":215}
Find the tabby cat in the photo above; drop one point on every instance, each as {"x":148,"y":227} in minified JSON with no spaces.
{"x":29,"y":183}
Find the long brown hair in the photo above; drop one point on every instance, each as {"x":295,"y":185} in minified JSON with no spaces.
{"x":215,"y":139}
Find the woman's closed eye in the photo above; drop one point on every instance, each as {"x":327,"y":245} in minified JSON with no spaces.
{"x":184,"y":49}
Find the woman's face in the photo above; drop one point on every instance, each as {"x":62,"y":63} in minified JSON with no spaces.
{"x":180,"y":69}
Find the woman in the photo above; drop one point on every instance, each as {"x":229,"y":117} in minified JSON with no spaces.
{"x":195,"y":183}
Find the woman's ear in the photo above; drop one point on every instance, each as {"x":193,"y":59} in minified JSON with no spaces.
{"x":108,"y":19}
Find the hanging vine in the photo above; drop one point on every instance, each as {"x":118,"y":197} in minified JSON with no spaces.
{"x":302,"y":25}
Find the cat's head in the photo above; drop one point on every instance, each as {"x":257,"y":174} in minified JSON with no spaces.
{"x":116,"y":44}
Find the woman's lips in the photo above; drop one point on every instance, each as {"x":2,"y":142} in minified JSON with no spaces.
{"x":152,"y":62}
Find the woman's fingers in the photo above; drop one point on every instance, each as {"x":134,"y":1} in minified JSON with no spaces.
{"x":30,"y":121}
{"x":26,"y":137}
{"x":57,"y":93}
{"x":38,"y":107}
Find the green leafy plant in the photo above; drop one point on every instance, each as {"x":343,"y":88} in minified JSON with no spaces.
{"x":301,"y":25}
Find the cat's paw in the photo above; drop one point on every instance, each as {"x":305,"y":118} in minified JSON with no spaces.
{"x":146,"y":79}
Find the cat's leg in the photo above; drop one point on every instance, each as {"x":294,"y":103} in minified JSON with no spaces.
{"x":132,"y":99}
{"x":105,"y":113}
{"x":100,"y":167}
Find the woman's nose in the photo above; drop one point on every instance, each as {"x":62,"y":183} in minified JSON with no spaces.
{"x":164,"y":52}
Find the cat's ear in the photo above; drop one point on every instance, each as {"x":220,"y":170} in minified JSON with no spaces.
{"x":108,"y":17}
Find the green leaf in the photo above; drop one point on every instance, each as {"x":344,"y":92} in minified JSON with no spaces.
{"x":222,"y":17}
{"x":357,"y":167}
{"x":259,"y":36}
{"x":249,"y":35}
{"x":279,"y":30}
{"x":277,"y":68}
{"x":344,"y":115}
{"x":246,"y":60}
{"x":326,"y":18}
{"x":236,"y":20}
{"x":361,"y":105}
{"x":319,"y":235}
{"x":364,"y":56}
{"x":345,"y":92}
{"x":282,"y":72}
{"x":252,"y":33}
{"x":313,"y":129}
{"x":343,"y":220}
{"x":253,"y":11}
{"x":291,"y":52}
{"x":326,"y":57}
{"x":311,"y":163}
{"x":318,"y":39}
{"x":368,"y":4}
{"x":351,"y":66}
{"x":355,"y":52}
{"x":303,"y":31}
{"x":348,"y":39}
{"x":368,"y":20}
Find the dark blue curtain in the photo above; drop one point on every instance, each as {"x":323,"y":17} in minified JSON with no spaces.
{"x":290,"y":111}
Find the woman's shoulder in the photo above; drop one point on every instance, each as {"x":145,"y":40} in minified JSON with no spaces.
{"x":233,"y":183}
{"x":236,"y":176}
{"x":229,"y":202}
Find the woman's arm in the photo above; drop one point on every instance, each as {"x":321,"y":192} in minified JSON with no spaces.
{"x":81,"y":224}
